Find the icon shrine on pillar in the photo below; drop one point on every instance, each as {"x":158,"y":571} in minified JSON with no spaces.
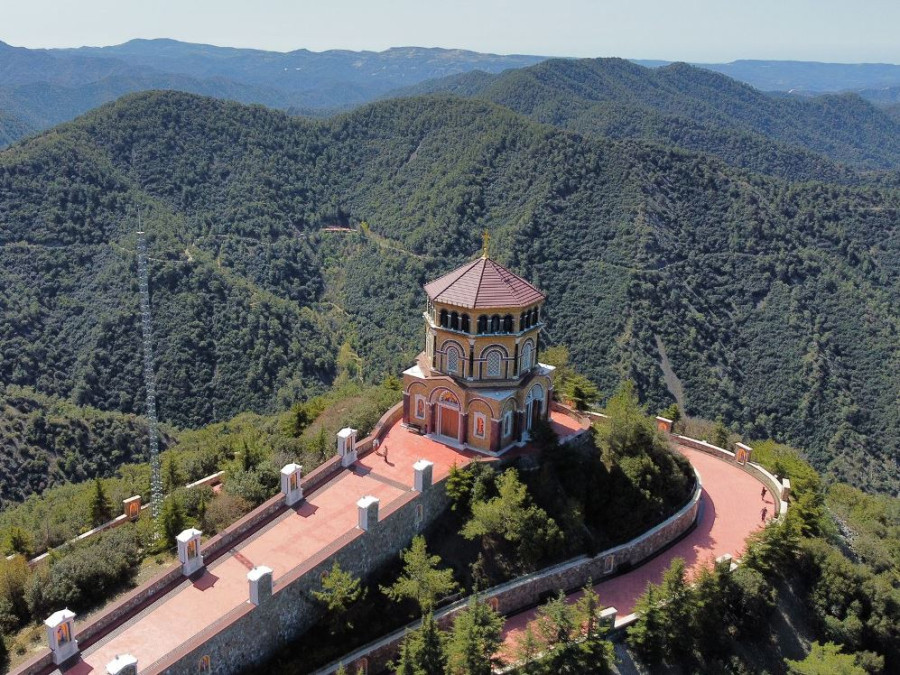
{"x":478,"y":383}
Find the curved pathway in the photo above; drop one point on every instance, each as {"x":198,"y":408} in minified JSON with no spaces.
{"x":730,"y":509}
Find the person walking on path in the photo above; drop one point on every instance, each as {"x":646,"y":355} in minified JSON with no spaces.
{"x":384,"y":452}
{"x":763,"y":493}
{"x":764,"y":513}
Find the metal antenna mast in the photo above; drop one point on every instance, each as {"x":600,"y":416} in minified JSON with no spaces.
{"x":149,"y":377}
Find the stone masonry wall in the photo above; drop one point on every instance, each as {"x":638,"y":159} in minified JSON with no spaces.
{"x":519,"y":594}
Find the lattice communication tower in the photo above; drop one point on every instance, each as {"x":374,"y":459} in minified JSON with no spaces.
{"x":149,"y":380}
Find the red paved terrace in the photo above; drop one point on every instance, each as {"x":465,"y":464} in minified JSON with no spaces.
{"x":326,"y":514}
{"x":731,"y":508}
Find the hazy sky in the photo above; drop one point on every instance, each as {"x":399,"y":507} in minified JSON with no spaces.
{"x":689,"y":30}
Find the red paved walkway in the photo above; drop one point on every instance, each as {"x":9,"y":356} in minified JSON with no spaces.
{"x":730,"y":510}
{"x":326,"y":514}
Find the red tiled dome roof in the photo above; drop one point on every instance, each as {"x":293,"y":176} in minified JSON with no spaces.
{"x":483,"y":284}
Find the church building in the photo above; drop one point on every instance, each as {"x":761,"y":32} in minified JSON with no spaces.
{"x":478,"y":384}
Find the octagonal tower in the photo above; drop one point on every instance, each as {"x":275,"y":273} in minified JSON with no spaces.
{"x":479,"y":384}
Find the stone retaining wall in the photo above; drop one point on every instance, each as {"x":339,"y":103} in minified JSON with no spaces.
{"x":524,"y":592}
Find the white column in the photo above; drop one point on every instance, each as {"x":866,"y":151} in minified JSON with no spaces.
{"x":260,"y":579}
{"x":290,"y":483}
{"x":61,"y":635}
{"x":346,"y":443}
{"x":123,"y":664}
{"x":189,"y":551}
{"x":422,"y":475}
{"x":607,"y":617}
{"x":368,"y":512}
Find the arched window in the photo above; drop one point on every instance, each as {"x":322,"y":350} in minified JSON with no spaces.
{"x":444,"y":318}
{"x":452,"y":360}
{"x":454,"y":321}
{"x":494,"y":363}
{"x":522,"y":321}
{"x":507,"y":324}
{"x":464,"y":323}
{"x":495,"y":323}
{"x":534,"y":317}
{"x":537,"y":314}
{"x":527,"y":355}
{"x":482,"y":324}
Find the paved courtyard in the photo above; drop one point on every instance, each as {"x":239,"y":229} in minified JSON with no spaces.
{"x":293,"y":537}
{"x":731,"y":508}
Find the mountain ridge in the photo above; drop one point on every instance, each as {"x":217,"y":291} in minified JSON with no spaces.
{"x":773,"y":299}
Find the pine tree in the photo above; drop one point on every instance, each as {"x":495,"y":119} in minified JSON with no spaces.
{"x":101,"y":508}
{"x":678,"y":598}
{"x":646,"y":637}
{"x":421,"y":579}
{"x":340,"y":591}
{"x":172,"y":478}
{"x":171,"y":520}
{"x":474,"y":640}
{"x":431,"y":659}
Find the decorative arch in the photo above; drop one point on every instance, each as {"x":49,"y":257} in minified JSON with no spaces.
{"x":464,"y":324}
{"x":482,"y":324}
{"x":536,"y":393}
{"x":444,"y":396}
{"x":495,"y":323}
{"x":445,"y":318}
{"x":454,"y":320}
{"x":508,"y":323}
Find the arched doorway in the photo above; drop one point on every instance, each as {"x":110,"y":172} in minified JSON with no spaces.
{"x":448,"y":415}
{"x":534,"y":406}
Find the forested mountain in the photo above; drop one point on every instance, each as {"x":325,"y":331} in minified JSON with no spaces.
{"x":40,"y":105}
{"x":12,"y":128}
{"x":44,"y":87}
{"x":775,"y":304}
{"x":46,"y":441}
{"x":694,"y":109}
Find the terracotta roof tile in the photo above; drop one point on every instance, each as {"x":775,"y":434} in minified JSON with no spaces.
{"x":483,"y":284}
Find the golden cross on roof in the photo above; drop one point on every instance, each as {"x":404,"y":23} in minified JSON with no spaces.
{"x":487,"y":239}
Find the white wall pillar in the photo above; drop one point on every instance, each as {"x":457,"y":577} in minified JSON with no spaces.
{"x":368,"y":512}
{"x":346,"y":444}
{"x":290,"y":483}
{"x":131,"y":507}
{"x":664,"y":424}
{"x":742,"y":453}
{"x":123,"y":664}
{"x":607,"y":617}
{"x":260,"y":579}
{"x":422,"y":475}
{"x":189,"y":551}
{"x":61,"y":635}
{"x":785,"y":489}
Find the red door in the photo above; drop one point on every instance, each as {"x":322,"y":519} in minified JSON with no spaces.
{"x":449,"y":422}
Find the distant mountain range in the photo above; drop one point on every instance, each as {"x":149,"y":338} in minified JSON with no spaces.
{"x":799,"y":138}
{"x":43,"y":87}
